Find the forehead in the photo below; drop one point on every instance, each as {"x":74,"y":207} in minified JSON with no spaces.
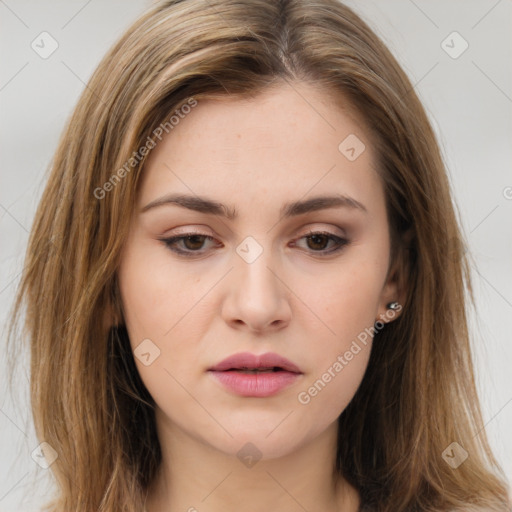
{"x":286,"y":141}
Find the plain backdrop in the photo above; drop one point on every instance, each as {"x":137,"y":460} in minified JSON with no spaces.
{"x":466,"y":91}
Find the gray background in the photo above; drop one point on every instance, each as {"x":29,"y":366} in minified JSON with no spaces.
{"x":468,"y":99}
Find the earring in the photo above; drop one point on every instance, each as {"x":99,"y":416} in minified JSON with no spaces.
{"x":393,"y":305}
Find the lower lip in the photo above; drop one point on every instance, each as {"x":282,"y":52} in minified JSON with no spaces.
{"x":256,"y":384}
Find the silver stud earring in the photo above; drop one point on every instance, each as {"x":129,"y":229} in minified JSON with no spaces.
{"x":393,"y":305}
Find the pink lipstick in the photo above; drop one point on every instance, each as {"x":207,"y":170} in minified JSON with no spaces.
{"x":253,"y":375}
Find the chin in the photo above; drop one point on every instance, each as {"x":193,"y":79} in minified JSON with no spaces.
{"x":265,"y":443}
{"x":250,"y":449}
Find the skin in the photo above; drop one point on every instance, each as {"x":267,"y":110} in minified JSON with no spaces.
{"x":255,"y":155}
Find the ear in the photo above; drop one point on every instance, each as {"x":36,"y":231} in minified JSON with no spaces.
{"x":395,"y":287}
{"x":391,"y":292}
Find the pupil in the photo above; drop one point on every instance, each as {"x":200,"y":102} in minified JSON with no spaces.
{"x":317,"y":239}
{"x":194,"y":241}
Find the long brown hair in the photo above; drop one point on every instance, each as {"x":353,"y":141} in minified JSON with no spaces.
{"x":418,"y":395}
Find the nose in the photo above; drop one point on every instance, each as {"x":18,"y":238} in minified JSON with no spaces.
{"x":257,"y":298}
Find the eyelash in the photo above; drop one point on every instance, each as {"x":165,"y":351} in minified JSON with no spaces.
{"x":171,"y":242}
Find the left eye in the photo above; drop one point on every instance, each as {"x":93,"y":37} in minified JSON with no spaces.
{"x":319,"y":241}
{"x":193,"y":243}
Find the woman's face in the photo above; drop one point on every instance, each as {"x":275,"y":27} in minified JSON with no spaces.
{"x":288,"y":254}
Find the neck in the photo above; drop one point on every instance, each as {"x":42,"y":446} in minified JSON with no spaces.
{"x":197,"y":477}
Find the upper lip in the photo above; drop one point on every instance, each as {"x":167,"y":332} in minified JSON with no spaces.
{"x":248,"y":361}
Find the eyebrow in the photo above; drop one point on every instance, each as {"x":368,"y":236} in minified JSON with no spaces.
{"x":209,"y":206}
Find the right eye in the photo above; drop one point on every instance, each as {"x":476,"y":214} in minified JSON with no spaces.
{"x":187,"y":244}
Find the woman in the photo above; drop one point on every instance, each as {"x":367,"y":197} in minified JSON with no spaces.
{"x":245,"y":281}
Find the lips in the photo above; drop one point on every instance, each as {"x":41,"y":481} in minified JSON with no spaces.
{"x":248,"y":362}
{"x":251,"y":375}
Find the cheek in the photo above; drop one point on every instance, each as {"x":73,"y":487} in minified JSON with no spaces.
{"x":325,"y":397}
{"x":343,"y":301}
{"x":161,"y":313}
{"x":156,"y":320}
{"x":346,"y":303}
{"x":155,"y":294}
